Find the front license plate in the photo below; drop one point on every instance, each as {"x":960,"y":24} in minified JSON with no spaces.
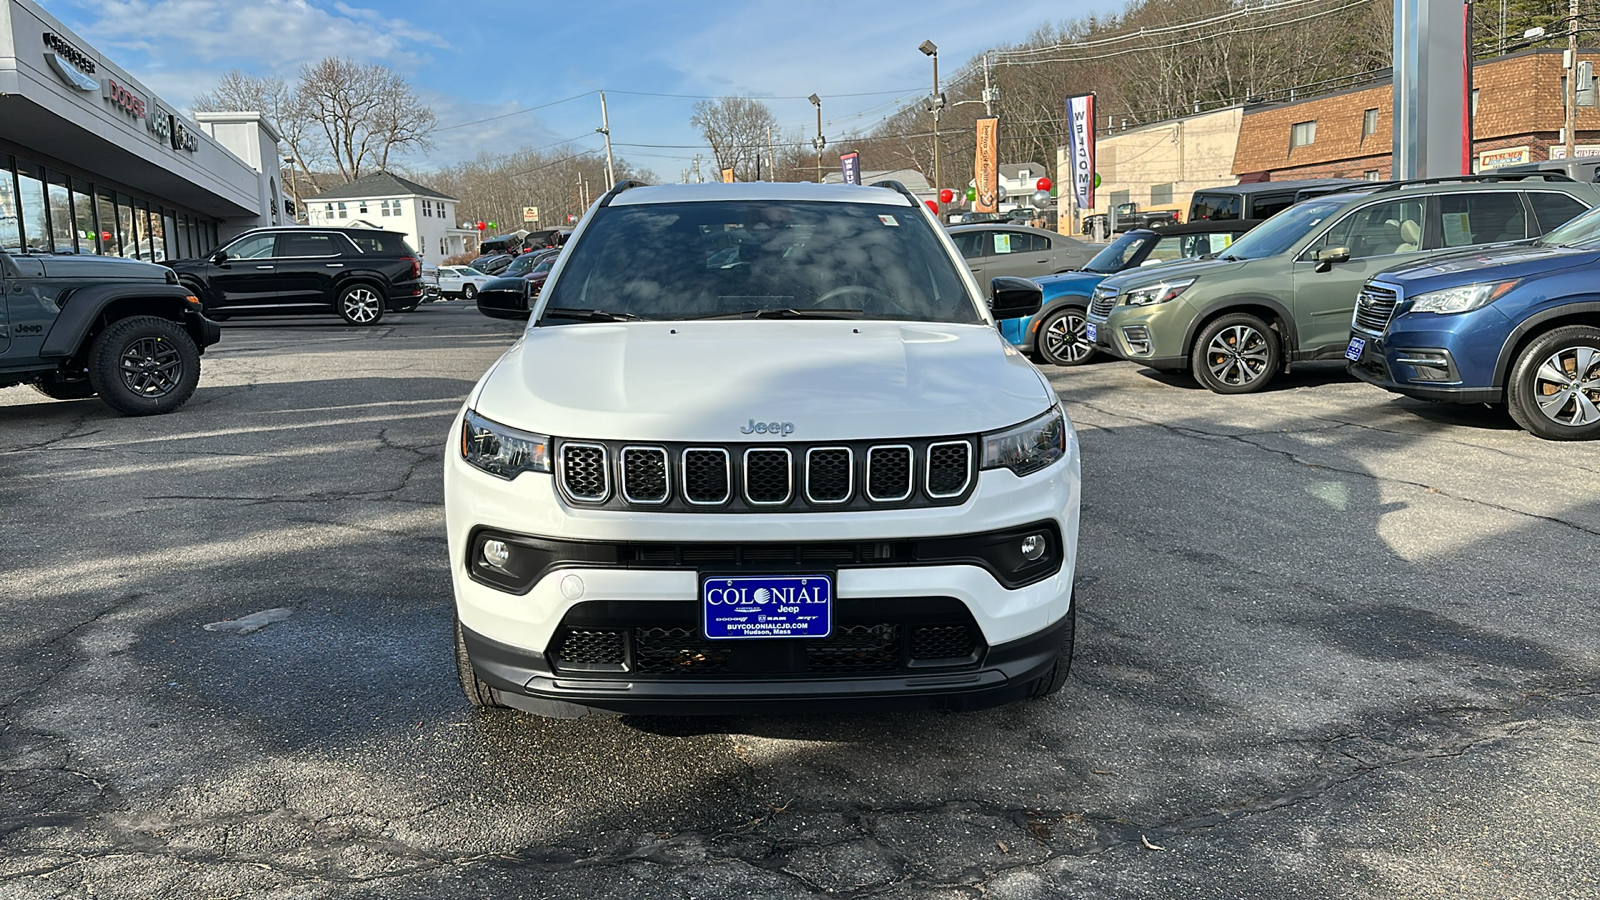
{"x":1091,"y":332}
{"x":1353,"y":352}
{"x":767,"y":606}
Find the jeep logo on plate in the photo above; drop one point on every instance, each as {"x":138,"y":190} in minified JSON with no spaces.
{"x":783,"y":428}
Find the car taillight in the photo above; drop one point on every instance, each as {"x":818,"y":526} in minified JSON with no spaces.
{"x":416,"y":267}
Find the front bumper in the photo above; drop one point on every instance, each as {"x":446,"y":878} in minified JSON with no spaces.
{"x":1426,"y":364}
{"x":1152,"y":335}
{"x":515,"y":629}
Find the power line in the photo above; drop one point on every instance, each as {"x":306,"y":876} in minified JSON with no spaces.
{"x":518,"y":112}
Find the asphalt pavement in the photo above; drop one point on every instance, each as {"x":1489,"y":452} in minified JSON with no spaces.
{"x":1331,"y":644}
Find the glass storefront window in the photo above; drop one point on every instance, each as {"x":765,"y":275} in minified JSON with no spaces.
{"x":108,"y":239}
{"x":128,"y":231}
{"x":147,"y":235}
{"x":62,"y":233}
{"x":10,"y":220}
{"x":83,"y":217}
{"x":169,"y":229}
{"x":35,"y":231}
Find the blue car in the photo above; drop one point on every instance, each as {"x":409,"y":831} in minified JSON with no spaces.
{"x":1515,"y":324}
{"x":1055,"y":334}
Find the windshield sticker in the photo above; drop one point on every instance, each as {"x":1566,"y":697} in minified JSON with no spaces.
{"x":889,"y":220}
{"x":1227,"y":241}
{"x":1002,"y":243}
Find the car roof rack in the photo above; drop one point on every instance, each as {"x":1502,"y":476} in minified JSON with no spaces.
{"x":897,"y":186}
{"x":1383,"y":186}
{"x":620,"y":186}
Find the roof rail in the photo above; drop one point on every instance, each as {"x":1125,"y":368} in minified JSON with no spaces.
{"x":1383,"y":186}
{"x":620,"y":186}
{"x":897,"y":186}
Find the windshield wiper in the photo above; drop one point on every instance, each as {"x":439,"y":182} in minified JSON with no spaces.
{"x":588,"y":315}
{"x":785,"y":313}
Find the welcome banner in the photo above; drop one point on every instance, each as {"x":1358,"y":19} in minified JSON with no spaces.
{"x":986,"y":167}
{"x":1080,"y":147}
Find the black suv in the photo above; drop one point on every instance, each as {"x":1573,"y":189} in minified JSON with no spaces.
{"x":358,"y":273}
{"x":76,"y":326}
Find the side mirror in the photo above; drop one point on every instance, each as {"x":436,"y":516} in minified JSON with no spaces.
{"x":219,"y":257}
{"x":1151,"y":262}
{"x":1327,"y":256}
{"x":1014,"y":298}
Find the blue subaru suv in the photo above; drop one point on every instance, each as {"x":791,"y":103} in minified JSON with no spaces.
{"x":1515,"y":324}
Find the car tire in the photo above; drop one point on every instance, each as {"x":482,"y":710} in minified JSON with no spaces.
{"x":469,"y":292}
{"x":1061,"y":339}
{"x":1236,"y":354}
{"x":57,"y":387}
{"x":1546,"y":397}
{"x":360,"y":304}
{"x":144,"y":366}
{"x":1052,"y":681}
{"x":478,"y":692}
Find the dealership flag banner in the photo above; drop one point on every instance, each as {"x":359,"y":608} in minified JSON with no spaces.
{"x":986,"y":167}
{"x":850,"y":164}
{"x":1080,"y":147}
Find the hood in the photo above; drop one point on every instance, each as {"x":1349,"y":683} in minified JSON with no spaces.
{"x":1486,"y":264}
{"x":1139,"y":277}
{"x":109,"y":267}
{"x":704,"y":381}
{"x":1070,"y":283}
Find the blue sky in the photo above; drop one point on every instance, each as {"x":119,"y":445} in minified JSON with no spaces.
{"x":476,"y":60}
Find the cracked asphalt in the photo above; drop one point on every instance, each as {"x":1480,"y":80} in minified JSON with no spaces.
{"x":1331,"y":644}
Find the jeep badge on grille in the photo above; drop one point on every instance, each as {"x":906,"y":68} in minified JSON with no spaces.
{"x":783,"y":428}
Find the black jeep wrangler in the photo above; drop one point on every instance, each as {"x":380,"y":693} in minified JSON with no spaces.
{"x":76,"y":326}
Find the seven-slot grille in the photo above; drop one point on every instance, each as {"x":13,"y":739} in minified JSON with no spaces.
{"x":1374,"y":306}
{"x":1103,"y":301}
{"x":743,"y":478}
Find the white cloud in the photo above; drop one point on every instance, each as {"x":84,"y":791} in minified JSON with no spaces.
{"x":261,"y":36}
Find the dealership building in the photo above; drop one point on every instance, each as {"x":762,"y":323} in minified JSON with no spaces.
{"x":91,"y":161}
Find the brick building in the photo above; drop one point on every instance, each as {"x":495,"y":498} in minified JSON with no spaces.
{"x":1519,"y":109}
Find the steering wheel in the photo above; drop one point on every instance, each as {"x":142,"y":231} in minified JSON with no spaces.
{"x":868,"y":295}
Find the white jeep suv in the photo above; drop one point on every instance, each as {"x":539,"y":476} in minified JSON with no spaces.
{"x":762,"y":447}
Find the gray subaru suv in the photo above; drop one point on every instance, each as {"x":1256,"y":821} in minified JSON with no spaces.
{"x":1285,"y":292}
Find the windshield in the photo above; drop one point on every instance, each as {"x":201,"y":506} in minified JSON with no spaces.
{"x":732,"y":258}
{"x":522,"y":265}
{"x":1119,"y":255}
{"x":1280,"y":232}
{"x":1583,"y":230}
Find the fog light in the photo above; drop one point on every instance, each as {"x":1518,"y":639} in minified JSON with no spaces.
{"x":496,"y":554}
{"x":1033,"y":547}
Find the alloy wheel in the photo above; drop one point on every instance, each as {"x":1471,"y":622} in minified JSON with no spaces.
{"x":1237,"y":355}
{"x":1567,"y":386}
{"x":1066,"y":338}
{"x":151,"y":367}
{"x":361,"y":306}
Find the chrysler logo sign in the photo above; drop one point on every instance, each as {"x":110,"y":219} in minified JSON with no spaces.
{"x":72,"y":65}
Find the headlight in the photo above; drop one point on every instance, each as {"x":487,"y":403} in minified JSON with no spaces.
{"x":1028,"y":447}
{"x":501,"y":451}
{"x":1461,"y":299}
{"x":1156,"y":293}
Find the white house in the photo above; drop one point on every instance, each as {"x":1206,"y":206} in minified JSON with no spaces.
{"x":425,"y":216}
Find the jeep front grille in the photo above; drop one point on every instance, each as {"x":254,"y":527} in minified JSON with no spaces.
{"x":644,"y":475}
{"x":583,"y":472}
{"x":706,"y":476}
{"x":1374,"y":306}
{"x":765,"y":477}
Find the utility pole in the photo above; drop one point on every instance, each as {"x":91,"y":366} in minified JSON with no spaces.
{"x":1572,"y":79}
{"x":772,"y":161}
{"x":819,"y":142}
{"x":935,"y":105}
{"x":605,"y":129}
{"x":988,"y":92}
{"x":697,"y":168}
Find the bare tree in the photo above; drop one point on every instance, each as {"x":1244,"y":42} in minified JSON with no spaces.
{"x":738,"y":129}
{"x":366,"y":113}
{"x":497,"y":188}
{"x":274,"y":98}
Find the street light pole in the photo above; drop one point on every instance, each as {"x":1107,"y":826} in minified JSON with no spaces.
{"x":818,"y":142}
{"x":1572,"y":79}
{"x":935,"y":104}
{"x":605,"y":129}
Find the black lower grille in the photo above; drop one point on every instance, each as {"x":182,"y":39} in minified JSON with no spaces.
{"x":942,"y":642}
{"x":584,"y":649}
{"x":857,"y":648}
{"x":677,"y":651}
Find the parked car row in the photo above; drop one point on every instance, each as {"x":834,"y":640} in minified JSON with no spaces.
{"x":1471,"y":289}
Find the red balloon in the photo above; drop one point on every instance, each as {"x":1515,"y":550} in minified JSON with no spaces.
{"x":1042,"y":184}
{"x":481,"y":226}
{"x":932,"y":206}
{"x":946,"y":195}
